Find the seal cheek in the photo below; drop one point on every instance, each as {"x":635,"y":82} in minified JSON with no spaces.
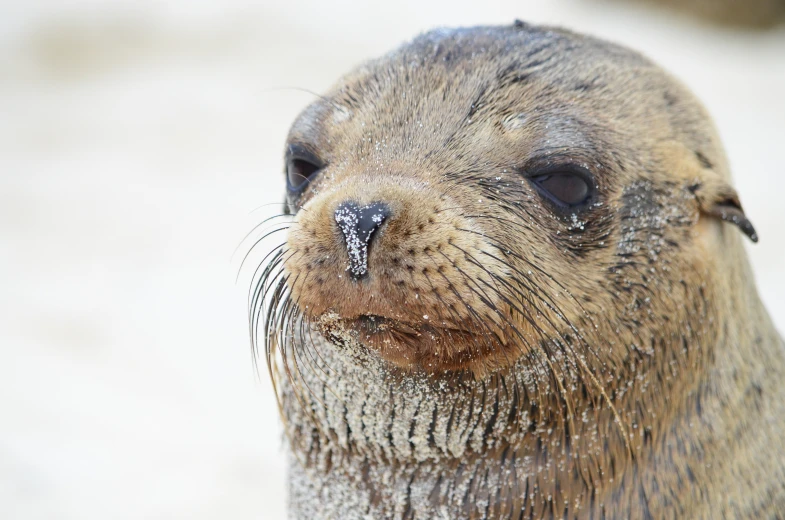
{"x":314,"y":261}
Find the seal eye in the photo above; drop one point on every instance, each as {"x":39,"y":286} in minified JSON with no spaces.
{"x":564,"y":188}
{"x":301,"y":167}
{"x":298,"y":172}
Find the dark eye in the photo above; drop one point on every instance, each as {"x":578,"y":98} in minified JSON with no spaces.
{"x":299,"y":171}
{"x":301,"y":167}
{"x":563,"y":188}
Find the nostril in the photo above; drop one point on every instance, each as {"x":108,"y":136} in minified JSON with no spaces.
{"x":371,"y":217}
{"x":358,"y":224}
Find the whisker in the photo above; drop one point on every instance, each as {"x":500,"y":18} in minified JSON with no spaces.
{"x":285,"y":204}
{"x":577,"y":358}
{"x":257,"y":226}
{"x":245,"y":258}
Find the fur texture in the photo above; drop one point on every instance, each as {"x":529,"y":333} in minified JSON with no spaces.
{"x":506,"y":357}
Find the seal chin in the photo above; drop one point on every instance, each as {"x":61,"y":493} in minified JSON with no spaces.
{"x":421,"y":345}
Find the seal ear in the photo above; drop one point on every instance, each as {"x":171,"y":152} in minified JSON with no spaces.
{"x":718,"y":199}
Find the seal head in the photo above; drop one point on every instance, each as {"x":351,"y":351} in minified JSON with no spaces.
{"x":477,"y":192}
{"x":513,"y":286}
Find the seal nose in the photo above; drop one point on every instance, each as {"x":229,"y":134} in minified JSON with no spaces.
{"x":358,"y":226}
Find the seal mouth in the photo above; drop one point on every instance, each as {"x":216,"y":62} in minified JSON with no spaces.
{"x":376,"y":324}
{"x":431,"y":345}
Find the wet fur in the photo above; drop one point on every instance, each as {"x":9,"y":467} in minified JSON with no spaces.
{"x":616,"y":363}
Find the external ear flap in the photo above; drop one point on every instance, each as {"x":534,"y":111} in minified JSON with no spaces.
{"x":718,"y":199}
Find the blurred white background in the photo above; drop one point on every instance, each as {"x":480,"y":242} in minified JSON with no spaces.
{"x":137,"y":138}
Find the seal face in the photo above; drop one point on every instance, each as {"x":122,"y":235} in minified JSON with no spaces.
{"x":493,"y":161}
{"x":519,"y":229}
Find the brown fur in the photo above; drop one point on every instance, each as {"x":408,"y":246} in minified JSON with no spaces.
{"x":613,"y":362}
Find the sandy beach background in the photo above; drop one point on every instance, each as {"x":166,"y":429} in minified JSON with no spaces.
{"x":137,"y":139}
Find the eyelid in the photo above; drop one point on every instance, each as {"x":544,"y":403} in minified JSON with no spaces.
{"x":552,"y":165}
{"x":298,"y":151}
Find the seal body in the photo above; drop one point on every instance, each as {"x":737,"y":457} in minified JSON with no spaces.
{"x":512,"y":288}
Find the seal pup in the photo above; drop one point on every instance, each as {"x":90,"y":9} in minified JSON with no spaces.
{"x":513,"y":286}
